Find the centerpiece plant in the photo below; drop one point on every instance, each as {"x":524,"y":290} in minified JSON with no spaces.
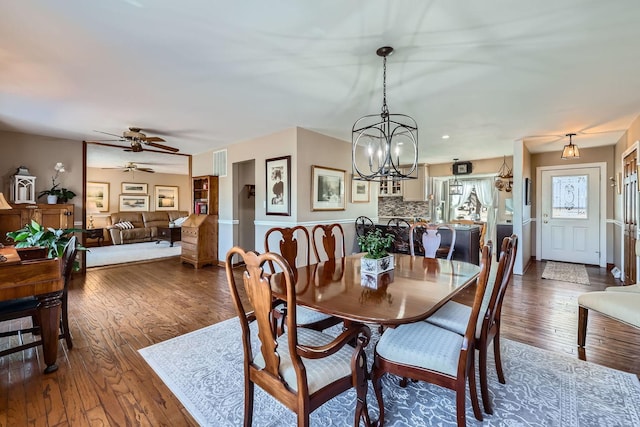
{"x":375,"y":244}
{"x":377,"y":261}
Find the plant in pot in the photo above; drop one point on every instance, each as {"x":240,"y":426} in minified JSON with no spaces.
{"x":55,"y":194}
{"x":377,"y":261}
{"x":34,"y":241}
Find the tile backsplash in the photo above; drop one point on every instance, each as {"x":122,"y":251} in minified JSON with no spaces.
{"x":396,"y":207}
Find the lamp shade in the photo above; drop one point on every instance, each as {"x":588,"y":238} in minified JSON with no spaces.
{"x":570,"y":151}
{"x":3,"y":203}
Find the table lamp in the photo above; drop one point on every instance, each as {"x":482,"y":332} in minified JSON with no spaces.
{"x":92,"y":209}
{"x":3,"y":203}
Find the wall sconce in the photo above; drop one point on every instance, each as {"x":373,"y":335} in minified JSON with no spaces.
{"x":616,"y":182}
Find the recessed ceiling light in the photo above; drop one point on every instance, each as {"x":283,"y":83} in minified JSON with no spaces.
{"x":445,"y":136}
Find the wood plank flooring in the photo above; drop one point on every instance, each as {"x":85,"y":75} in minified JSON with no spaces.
{"x":116,"y":311}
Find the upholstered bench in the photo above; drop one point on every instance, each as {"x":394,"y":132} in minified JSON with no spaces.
{"x":618,"y":303}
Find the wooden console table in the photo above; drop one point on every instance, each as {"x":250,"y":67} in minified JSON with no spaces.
{"x":41,"y":279}
{"x":95,"y":233}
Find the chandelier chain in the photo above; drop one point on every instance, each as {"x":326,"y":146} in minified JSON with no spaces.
{"x":385,"y":109}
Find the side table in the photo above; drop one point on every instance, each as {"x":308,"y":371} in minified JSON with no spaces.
{"x":169,"y":234}
{"x":95,"y":233}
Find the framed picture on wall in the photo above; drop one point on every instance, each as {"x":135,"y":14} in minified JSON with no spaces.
{"x":360,"y":191}
{"x":134,"y":188}
{"x":527,"y":191}
{"x":327,"y":189}
{"x":166,"y":198}
{"x":98,"y":193}
{"x":278,"y":179}
{"x":132,"y":203}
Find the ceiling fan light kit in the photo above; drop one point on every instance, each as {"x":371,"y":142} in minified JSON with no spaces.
{"x":384,"y":146}
{"x":570,"y":150}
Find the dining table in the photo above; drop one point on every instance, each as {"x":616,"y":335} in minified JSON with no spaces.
{"x":413,"y":290}
{"x":41,"y":279}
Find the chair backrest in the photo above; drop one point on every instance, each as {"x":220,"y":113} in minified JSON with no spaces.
{"x":68,"y":258}
{"x":364,"y":225}
{"x":504,"y":274}
{"x":257,"y":287}
{"x":481,"y":286}
{"x":412,"y":237}
{"x":431,"y":238}
{"x":332,"y":238}
{"x":399,"y":228}
{"x":294,"y":245}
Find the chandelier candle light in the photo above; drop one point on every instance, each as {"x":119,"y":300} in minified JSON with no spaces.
{"x":384,"y":146}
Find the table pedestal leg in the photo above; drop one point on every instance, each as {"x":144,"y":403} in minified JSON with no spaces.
{"x":49,"y":314}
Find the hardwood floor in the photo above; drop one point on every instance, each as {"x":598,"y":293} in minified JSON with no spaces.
{"x":116,"y":311}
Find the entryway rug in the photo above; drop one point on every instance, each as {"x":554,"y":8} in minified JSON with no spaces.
{"x":565,"y":272}
{"x":130,"y":252}
{"x":204,"y":370}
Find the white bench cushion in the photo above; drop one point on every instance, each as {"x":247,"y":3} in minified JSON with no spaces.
{"x":630,"y":288}
{"x":622,"y":306}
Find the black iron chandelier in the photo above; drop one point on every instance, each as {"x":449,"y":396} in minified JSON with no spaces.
{"x":384,"y":146}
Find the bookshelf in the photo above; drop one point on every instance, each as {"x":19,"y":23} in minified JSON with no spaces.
{"x":205,"y":195}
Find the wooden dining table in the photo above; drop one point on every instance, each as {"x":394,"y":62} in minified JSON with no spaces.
{"x":43,"y":280}
{"x":412,"y":291}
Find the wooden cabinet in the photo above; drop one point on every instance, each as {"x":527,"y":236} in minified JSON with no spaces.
{"x":415,"y":190}
{"x":54,"y":216}
{"x":205,"y":195}
{"x":199,"y":233}
{"x":200,"y":240}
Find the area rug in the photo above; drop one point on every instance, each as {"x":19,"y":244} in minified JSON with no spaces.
{"x":204,"y":370}
{"x":574,"y":273}
{"x":131,"y":252}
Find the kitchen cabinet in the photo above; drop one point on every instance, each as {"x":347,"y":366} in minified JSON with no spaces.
{"x":415,"y":190}
{"x":390,"y":188}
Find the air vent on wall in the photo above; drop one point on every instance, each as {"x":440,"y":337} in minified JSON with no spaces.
{"x":220,"y":163}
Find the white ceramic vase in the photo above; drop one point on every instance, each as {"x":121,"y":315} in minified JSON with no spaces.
{"x":52,"y":199}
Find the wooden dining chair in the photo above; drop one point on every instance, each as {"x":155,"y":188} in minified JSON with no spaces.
{"x":399,"y":228}
{"x":431,"y":240}
{"x":295,"y":247}
{"x":28,"y":307}
{"x":454,"y":317}
{"x":301,"y":368}
{"x":425,"y":352}
{"x":364,"y":225}
{"x":328,"y":241}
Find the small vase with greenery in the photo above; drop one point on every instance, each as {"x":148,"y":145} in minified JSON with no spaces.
{"x":34,"y":235}
{"x":61,"y":195}
{"x":377,"y":259}
{"x":375,"y":244}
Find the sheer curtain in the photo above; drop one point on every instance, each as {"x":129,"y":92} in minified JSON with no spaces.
{"x":488,"y":196}
{"x":457,"y":201}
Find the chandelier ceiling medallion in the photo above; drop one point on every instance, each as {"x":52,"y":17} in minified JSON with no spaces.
{"x":384,"y":146}
{"x":570,"y":151}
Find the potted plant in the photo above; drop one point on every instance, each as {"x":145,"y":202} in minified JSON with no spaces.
{"x":377,"y":260}
{"x":55,"y":194}
{"x":34,"y":241}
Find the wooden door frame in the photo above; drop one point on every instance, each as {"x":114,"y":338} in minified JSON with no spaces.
{"x":603,"y":205}
{"x":634,"y":147}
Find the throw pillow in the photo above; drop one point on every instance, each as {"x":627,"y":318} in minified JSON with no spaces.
{"x":123,"y":225}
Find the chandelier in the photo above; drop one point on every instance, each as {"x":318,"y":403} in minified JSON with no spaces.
{"x":384,"y":146}
{"x":570,"y":151}
{"x":455,"y":186}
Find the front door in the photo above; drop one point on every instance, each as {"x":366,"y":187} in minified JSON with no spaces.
{"x":570,"y":226}
{"x":630,"y":187}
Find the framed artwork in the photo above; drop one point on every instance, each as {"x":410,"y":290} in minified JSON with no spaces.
{"x":132,"y":203}
{"x":327,"y":189}
{"x":98,"y":193}
{"x":360,"y":191}
{"x":278,"y":179}
{"x":135,"y":188}
{"x":166,"y":198}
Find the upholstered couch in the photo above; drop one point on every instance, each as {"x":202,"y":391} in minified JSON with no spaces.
{"x":145,"y":225}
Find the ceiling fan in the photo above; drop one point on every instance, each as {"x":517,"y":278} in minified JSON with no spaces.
{"x":136,"y":138}
{"x":132,"y":167}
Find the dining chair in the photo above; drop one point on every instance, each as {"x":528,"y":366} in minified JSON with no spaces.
{"x":455,"y":316}
{"x":425,"y":352}
{"x":431,"y":240}
{"x":331,"y":236}
{"x":364,"y":225}
{"x":28,"y":307}
{"x":295,"y":247}
{"x":301,"y":368}
{"x":399,"y":228}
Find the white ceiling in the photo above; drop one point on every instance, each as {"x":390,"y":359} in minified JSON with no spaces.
{"x":204,"y":73}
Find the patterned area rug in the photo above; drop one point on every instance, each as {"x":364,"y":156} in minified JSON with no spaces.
{"x":574,"y":273}
{"x":204,"y":370}
{"x":131,"y":252}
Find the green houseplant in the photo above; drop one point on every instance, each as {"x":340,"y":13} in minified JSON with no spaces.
{"x":376,"y":264}
{"x":375,"y":244}
{"x":57,"y":194}
{"x":53,"y":240}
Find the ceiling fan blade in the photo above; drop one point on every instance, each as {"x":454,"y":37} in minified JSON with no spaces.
{"x":154,"y":139}
{"x":107,"y":133}
{"x":145,"y":170}
{"x":162,"y":147}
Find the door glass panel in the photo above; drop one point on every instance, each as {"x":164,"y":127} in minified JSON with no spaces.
{"x":569,"y":197}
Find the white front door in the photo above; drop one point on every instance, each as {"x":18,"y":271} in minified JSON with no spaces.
{"x":570,"y":215}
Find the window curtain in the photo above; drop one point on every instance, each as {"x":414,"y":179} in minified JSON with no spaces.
{"x":457,"y":201}
{"x":488,"y":196}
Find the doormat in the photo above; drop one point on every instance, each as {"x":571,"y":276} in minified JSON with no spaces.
{"x":574,"y":273}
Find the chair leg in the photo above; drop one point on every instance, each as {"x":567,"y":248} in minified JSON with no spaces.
{"x":248,"y":402}
{"x":583,"y":315}
{"x":377,"y":387}
{"x":484,"y":387}
{"x":473,"y":390}
{"x":362,"y":412}
{"x":65,"y":323}
{"x":498,"y":358}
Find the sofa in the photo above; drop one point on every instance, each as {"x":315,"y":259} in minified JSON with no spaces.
{"x":135,"y":227}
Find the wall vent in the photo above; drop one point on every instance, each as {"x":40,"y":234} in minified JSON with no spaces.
{"x":220,"y":163}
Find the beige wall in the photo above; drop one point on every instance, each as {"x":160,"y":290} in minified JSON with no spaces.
{"x":40,"y":154}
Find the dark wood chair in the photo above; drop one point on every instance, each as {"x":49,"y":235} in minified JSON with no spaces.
{"x":364,"y":225}
{"x":332,"y":238}
{"x":28,"y":307}
{"x":430,"y":240}
{"x":425,"y":352}
{"x":399,"y":228}
{"x":301,"y":368}
{"x":454,"y":317}
{"x":295,"y":247}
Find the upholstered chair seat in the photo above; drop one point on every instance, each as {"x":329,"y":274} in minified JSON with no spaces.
{"x":621,"y":306}
{"x":630,"y":288}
